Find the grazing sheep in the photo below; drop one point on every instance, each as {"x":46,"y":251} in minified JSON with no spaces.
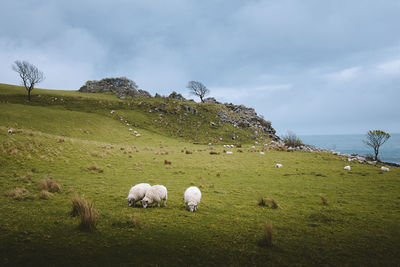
{"x":112,"y":111}
{"x":192,"y":198}
{"x":157,"y":193}
{"x":10,"y":131}
{"x":130,"y":129}
{"x":347,"y":168}
{"x":278,"y":165}
{"x":262,"y":153}
{"x":167,"y":162}
{"x":229,"y":152}
{"x":385,"y":169}
{"x":137,"y":193}
{"x":138,"y":135}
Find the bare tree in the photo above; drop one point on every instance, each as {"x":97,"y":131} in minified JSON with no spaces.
{"x":29,"y":74}
{"x":375,"y":139}
{"x":198,"y":89}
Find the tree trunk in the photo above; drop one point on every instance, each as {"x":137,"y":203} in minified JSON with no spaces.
{"x":376,"y":153}
{"x":201,"y":98}
{"x":29,"y":95}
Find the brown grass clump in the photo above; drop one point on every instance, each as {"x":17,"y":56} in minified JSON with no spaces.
{"x":214,"y":153}
{"x":240,"y":150}
{"x":218,"y":174}
{"x":86,"y":211}
{"x":188,"y":152}
{"x":167,"y":162}
{"x":19,"y":194}
{"x":45,"y":194}
{"x":324,"y":200}
{"x":273,"y":203}
{"x":95,"y":168}
{"x":50,"y":185}
{"x":61,"y":140}
{"x":268,"y":234}
{"x":262,"y":202}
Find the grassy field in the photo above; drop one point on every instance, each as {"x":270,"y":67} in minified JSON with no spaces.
{"x":63,"y":139}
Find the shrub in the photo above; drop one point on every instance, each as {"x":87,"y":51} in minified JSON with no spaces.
{"x":50,"y":185}
{"x":291,"y":139}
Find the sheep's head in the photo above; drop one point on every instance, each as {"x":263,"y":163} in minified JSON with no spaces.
{"x":131,"y":201}
{"x":145,"y":202}
{"x":192,"y":206}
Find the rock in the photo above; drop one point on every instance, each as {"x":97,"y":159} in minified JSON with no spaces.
{"x":175,"y":95}
{"x":212,"y":123}
{"x":122,"y":87}
{"x":211,"y":100}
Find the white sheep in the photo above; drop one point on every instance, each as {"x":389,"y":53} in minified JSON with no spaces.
{"x":10,"y":131}
{"x":138,"y":135}
{"x":385,"y":169}
{"x":278,"y":165}
{"x":137,"y":193}
{"x":112,"y":111}
{"x":158,"y":194}
{"x":192,"y":198}
{"x":229,"y":152}
{"x":262,"y":153}
{"x":347,"y":168}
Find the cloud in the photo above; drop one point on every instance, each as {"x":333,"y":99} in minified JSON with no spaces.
{"x":309,"y":66}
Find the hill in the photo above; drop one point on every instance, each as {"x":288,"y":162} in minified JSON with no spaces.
{"x":74,"y":139}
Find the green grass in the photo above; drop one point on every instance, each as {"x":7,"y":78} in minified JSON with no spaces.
{"x":359,"y":226}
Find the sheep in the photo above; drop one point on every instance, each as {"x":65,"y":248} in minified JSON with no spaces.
{"x":130,"y":129}
{"x":137,"y":193}
{"x":385,"y":169}
{"x":167,"y":162}
{"x":10,"y":131}
{"x":192,"y":198}
{"x":157,"y":193}
{"x":278,"y":165}
{"x":138,"y":135}
{"x":229,"y":152}
{"x":347,"y":168}
{"x":112,"y":111}
{"x":262,"y":153}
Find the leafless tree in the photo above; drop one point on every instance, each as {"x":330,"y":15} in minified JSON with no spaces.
{"x":29,"y":74}
{"x":198,"y":89}
{"x":375,"y":139}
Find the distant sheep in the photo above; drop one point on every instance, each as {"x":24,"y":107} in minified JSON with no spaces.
{"x":138,"y":135}
{"x":167,"y":162}
{"x":229,"y":152}
{"x":347,"y":168}
{"x":278,"y":165}
{"x":10,"y":131}
{"x":385,"y":169}
{"x":156,"y":194}
{"x":137,"y":193}
{"x":262,"y":153}
{"x":112,"y":111}
{"x":188,"y":152}
{"x":192,"y":198}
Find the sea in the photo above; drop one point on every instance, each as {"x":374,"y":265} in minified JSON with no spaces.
{"x":353,"y":143}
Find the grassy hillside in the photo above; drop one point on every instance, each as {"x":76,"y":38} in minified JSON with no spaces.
{"x":63,"y":139}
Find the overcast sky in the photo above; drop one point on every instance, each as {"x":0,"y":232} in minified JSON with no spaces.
{"x":310,"y":66}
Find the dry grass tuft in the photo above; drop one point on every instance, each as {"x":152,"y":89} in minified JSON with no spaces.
{"x":50,"y":185}
{"x":268,"y":234}
{"x":45,"y":194}
{"x":95,"y":168}
{"x":262,"y":202}
{"x":214,"y":153}
{"x":273,"y":203}
{"x":188,"y":152}
{"x":218,"y":174}
{"x":61,"y":140}
{"x":324,"y":200}
{"x":86,"y":211}
{"x":19,"y":194}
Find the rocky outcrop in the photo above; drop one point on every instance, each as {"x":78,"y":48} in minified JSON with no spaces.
{"x":243,"y":117}
{"x":122,"y":87}
{"x":175,"y":95}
